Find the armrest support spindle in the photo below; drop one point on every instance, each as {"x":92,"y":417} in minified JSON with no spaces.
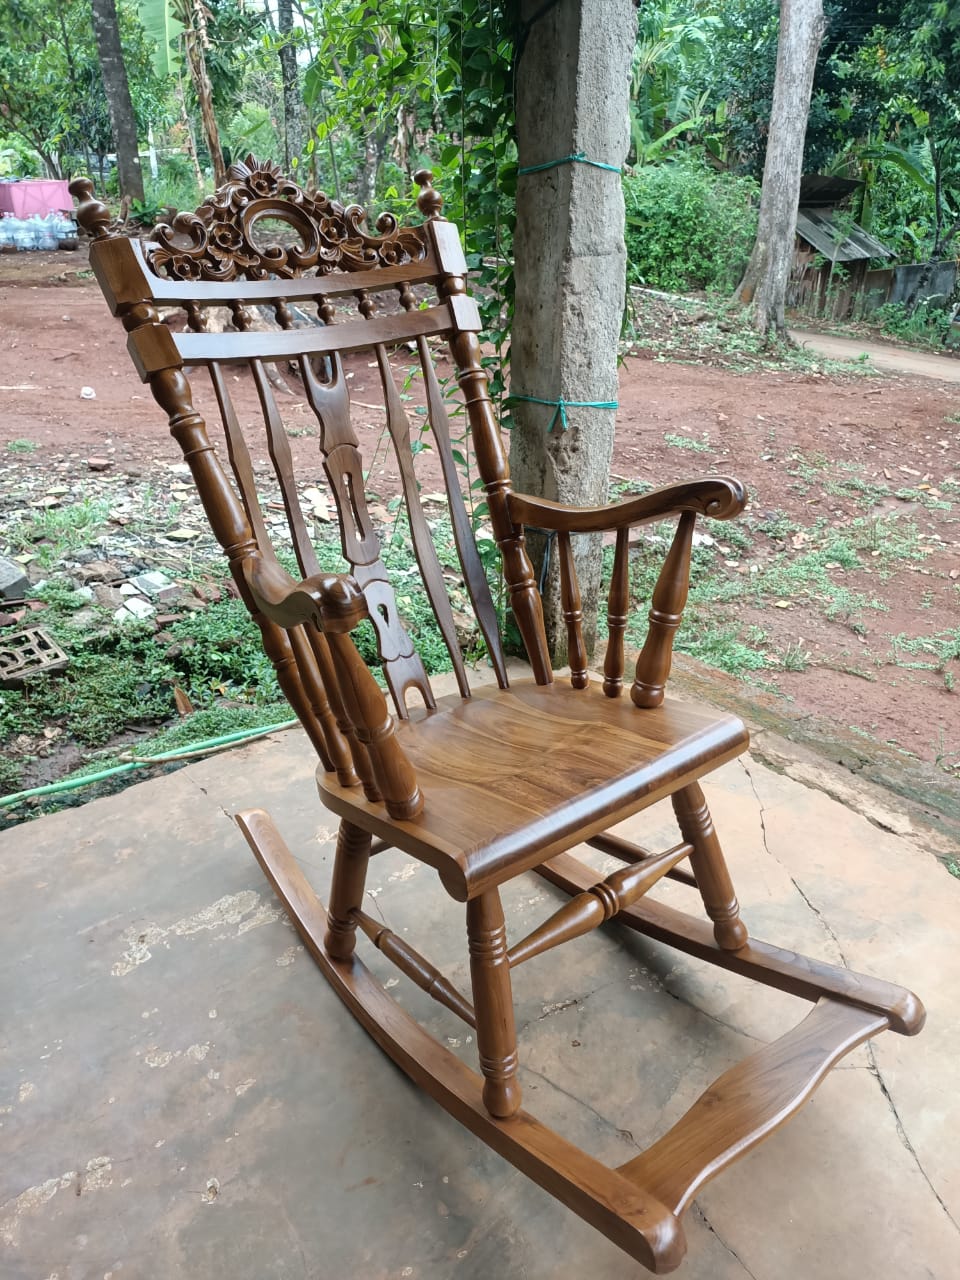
{"x":666,"y":612}
{"x":571,"y":605}
{"x":617,"y":605}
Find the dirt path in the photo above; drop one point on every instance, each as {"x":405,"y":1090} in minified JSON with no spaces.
{"x":882,"y":355}
{"x":839,"y":591}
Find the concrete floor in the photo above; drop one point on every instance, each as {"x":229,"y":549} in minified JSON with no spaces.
{"x":181,"y":1095}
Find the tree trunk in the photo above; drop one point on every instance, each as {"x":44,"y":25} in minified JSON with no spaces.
{"x":123,"y":123}
{"x":573,"y":96}
{"x":293,"y":107}
{"x":764,"y":285}
{"x":191,"y":143}
{"x":194,"y":38}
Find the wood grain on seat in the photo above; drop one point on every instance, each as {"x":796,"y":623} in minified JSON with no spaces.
{"x":511,"y":777}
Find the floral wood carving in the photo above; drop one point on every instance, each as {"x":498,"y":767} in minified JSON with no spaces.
{"x":220,"y":242}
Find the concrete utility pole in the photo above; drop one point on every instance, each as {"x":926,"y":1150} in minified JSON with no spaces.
{"x":573,"y":92}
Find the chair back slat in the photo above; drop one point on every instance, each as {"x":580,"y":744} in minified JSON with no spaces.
{"x":315,"y":692}
{"x":239,"y":456}
{"x":330,"y":401}
{"x":423,"y":545}
{"x":278,"y":446}
{"x":474,"y":575}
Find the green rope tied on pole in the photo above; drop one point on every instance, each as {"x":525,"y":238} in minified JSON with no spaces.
{"x":563,"y":405}
{"x":577,"y":158}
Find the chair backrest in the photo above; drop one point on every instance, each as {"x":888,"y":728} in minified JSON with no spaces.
{"x":263,"y":248}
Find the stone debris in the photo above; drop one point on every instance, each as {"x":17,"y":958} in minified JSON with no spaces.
{"x":98,"y":571}
{"x":14,"y":583}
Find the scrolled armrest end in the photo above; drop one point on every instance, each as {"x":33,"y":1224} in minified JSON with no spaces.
{"x":333,"y":601}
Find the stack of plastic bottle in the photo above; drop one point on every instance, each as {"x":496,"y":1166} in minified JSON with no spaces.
{"x":18,"y":234}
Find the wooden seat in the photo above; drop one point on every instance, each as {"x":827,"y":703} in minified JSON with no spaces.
{"x":512,"y":776}
{"x":491,"y":782}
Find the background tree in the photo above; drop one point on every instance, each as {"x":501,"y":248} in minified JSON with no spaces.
{"x":764,"y":285}
{"x":293,"y":104}
{"x":52,"y":94}
{"x":106,"y":27}
{"x":193,"y":16}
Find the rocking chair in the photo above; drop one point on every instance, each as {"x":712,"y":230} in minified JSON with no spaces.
{"x":481,"y":786}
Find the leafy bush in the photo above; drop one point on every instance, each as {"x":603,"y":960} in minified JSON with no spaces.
{"x":930,"y":322}
{"x":688,"y":227}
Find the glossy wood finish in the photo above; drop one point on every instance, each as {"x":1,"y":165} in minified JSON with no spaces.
{"x":638,"y":1205}
{"x":598,"y":904}
{"x":627,"y":851}
{"x":418,"y":969}
{"x":346,"y":889}
{"x":749,"y":1102}
{"x":709,"y":866}
{"x":474,"y":575}
{"x":486,"y":785}
{"x":629,"y":1217}
{"x":617,"y":612}
{"x":772,"y":966}
{"x":666,"y":614}
{"x":515,"y":776}
{"x":719,"y":497}
{"x":571,"y":606}
{"x":493,"y":1001}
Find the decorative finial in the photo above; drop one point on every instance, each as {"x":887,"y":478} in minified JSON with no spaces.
{"x":92,"y":215}
{"x":429,"y":201}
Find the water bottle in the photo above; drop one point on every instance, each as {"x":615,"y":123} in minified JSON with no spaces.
{"x":48,"y":237}
{"x":21,"y":233}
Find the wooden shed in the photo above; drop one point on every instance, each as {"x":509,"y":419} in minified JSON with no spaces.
{"x":833,"y":253}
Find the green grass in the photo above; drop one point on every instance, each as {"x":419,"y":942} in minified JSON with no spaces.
{"x":22,"y":446}
{"x":54,"y":534}
{"x":810,"y":573}
{"x":687,"y":442}
{"x":943,"y":647}
{"x":121,"y":679}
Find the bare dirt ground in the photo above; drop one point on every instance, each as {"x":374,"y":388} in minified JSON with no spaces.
{"x":866,"y":465}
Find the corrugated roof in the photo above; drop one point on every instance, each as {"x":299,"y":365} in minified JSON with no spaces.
{"x":827,"y":239}
{"x":818,"y":189}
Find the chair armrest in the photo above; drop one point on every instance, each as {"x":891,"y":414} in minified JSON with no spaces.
{"x":334,"y":601}
{"x":720,"y":497}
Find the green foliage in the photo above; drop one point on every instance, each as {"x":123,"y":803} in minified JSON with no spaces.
{"x":668,"y":76}
{"x":51,"y":90}
{"x":399,"y":85}
{"x":929,"y":323}
{"x":689,"y":227}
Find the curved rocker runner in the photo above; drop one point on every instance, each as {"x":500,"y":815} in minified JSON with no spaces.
{"x":565,"y":761}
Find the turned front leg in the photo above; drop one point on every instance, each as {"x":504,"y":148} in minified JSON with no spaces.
{"x":710,"y":867}
{"x":346,"y":890}
{"x":493,"y":1002}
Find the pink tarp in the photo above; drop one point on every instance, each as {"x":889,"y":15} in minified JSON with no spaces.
{"x":34,"y":195}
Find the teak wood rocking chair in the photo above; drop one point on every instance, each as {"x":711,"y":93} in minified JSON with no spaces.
{"x":479,"y":787}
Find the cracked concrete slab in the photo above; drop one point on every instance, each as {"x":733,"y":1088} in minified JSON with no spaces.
{"x":182,"y":1096}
